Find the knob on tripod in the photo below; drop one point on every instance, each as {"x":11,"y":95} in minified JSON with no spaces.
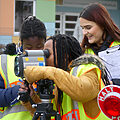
{"x":45,"y":112}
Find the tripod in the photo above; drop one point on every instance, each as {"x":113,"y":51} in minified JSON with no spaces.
{"x":44,"y":110}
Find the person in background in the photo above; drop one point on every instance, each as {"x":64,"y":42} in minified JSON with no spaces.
{"x":99,"y":30}
{"x":2,"y":48}
{"x":10,"y":49}
{"x":78,"y":84}
{"x":32,"y":37}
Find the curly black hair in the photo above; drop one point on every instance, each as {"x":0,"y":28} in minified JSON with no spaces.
{"x":10,"y":49}
{"x":32,"y":27}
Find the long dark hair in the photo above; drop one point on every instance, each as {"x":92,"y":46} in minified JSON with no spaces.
{"x":97,"y":13}
{"x":67,"y":48}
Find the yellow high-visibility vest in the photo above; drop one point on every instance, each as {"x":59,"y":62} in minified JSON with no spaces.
{"x":90,"y":51}
{"x":73,"y":110}
{"x":16,"y":111}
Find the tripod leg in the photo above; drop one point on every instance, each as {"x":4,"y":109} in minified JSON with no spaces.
{"x":42,"y":118}
{"x":57,"y":116}
{"x":45,"y":117}
{"x":36,"y":116}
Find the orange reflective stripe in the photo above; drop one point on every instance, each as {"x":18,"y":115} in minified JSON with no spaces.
{"x":15,"y":83}
{"x":94,"y":117}
{"x":1,"y":109}
{"x":114,"y":43}
{"x":111,"y":44}
{"x":73,"y":114}
{"x":5,"y":81}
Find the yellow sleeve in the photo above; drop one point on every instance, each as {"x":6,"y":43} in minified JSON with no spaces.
{"x":83,"y":88}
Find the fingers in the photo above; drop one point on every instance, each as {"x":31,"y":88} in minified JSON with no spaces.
{"x":30,"y":86}
{"x":31,"y":90}
{"x":23,"y":88}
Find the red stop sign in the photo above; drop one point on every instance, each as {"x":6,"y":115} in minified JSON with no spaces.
{"x":109,"y":101}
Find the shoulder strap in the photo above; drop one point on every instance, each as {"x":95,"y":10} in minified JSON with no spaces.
{"x":4,"y":67}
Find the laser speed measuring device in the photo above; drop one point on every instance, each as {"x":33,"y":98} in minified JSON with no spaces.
{"x":29,"y":58}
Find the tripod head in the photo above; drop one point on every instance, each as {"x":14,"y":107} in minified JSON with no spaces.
{"x":45,"y":89}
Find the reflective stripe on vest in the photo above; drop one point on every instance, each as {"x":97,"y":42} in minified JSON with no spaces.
{"x":75,"y":104}
{"x":90,"y":51}
{"x":4,"y":68}
{"x":75,"y":71}
{"x":3,"y":71}
{"x":114,"y":43}
{"x":13,"y":109}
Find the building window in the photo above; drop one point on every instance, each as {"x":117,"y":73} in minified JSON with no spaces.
{"x":65,"y":23}
{"x":68,"y":23}
{"x":23,"y":8}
